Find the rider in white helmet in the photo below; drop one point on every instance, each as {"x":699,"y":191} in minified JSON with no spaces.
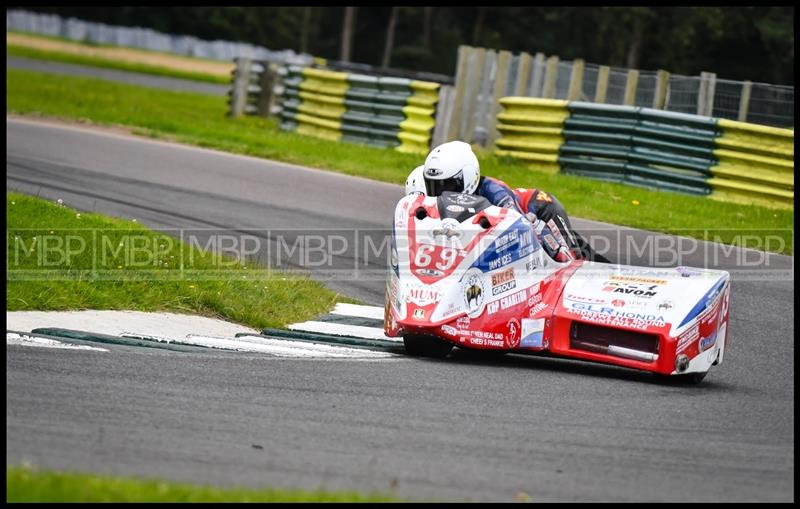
{"x":452,"y":166}
{"x":415,"y":182}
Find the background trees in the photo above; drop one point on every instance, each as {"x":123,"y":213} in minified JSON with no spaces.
{"x":755,"y":43}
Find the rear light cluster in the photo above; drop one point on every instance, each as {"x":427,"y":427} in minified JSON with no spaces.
{"x":619,"y":343}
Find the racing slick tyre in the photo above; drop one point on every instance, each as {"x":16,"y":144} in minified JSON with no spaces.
{"x":419,"y":345}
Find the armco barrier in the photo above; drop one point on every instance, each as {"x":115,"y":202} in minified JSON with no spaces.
{"x":725,"y":160}
{"x":379,"y":111}
{"x":755,"y":164}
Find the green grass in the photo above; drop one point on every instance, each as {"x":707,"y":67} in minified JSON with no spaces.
{"x":201,"y":120}
{"x":25,"y":484}
{"x":69,"y":58}
{"x":61,"y":259}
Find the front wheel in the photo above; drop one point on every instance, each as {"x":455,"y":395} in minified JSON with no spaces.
{"x":426,"y":346}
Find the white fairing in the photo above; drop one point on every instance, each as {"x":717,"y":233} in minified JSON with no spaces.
{"x":654,"y":297}
{"x":644,"y":298}
{"x":450,"y":291}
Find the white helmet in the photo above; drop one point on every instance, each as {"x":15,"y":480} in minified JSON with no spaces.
{"x":451,"y":167}
{"x":415,"y":183}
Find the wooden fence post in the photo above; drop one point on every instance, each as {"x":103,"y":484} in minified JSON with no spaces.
{"x":523,"y":73}
{"x":660,"y":95}
{"x":537,"y":78}
{"x":241,"y":80}
{"x":630,"y":87}
{"x":601,"y":89}
{"x":500,"y":83}
{"x":550,"y":75}
{"x":445,"y":109}
{"x":576,"y":80}
{"x":744,"y":101}
{"x":705,"y":95}
{"x":460,"y":87}
{"x":470,"y":103}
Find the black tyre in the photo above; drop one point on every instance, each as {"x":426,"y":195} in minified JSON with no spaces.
{"x":693,"y":378}
{"x":426,"y":346}
{"x":689,"y":378}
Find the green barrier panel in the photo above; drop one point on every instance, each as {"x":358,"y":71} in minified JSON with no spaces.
{"x":571,"y":137}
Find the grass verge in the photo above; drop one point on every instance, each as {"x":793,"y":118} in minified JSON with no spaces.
{"x":25,"y":484}
{"x":60,"y":259}
{"x":117,"y":57}
{"x":200,"y":120}
{"x":70,"y":58}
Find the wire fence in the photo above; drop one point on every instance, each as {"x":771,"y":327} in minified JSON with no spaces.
{"x":538,"y":76}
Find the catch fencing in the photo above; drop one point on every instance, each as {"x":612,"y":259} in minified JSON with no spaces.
{"x":483,"y":76}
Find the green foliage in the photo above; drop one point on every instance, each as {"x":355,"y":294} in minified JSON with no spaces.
{"x":741,"y":43}
{"x":26,"y":484}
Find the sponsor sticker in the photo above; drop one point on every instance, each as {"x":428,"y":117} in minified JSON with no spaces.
{"x":474,"y":291}
{"x":501,"y":261}
{"x":532,"y":332}
{"x":455,"y":208}
{"x":506,"y":240}
{"x":615,"y":317}
{"x":707,"y":342}
{"x":584,"y":298}
{"x":638,"y":290}
{"x":550,"y":241}
{"x":514,"y":331}
{"x":687,"y":338}
{"x":430,"y":272}
{"x":538,"y":308}
{"x":448,"y":329}
{"x":503,"y":281}
{"x":637,"y":279}
{"x":422,"y":295}
{"x":513,"y":299}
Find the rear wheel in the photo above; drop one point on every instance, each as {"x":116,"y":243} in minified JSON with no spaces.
{"x":426,"y":346}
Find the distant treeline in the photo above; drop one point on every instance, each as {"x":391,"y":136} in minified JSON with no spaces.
{"x":745,"y":43}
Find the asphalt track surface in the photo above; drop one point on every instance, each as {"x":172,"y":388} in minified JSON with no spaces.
{"x":129,"y":77}
{"x":466,"y":428}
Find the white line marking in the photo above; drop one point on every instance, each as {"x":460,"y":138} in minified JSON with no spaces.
{"x":282,"y":347}
{"x":24,"y":340}
{"x":341,"y":329}
{"x":373,"y":312}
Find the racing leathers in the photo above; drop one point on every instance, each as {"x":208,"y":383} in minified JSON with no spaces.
{"x":546,"y":214}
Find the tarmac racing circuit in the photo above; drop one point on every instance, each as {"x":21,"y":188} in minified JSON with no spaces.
{"x":466,"y":428}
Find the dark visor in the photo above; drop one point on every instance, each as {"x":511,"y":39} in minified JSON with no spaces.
{"x":435,"y":187}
